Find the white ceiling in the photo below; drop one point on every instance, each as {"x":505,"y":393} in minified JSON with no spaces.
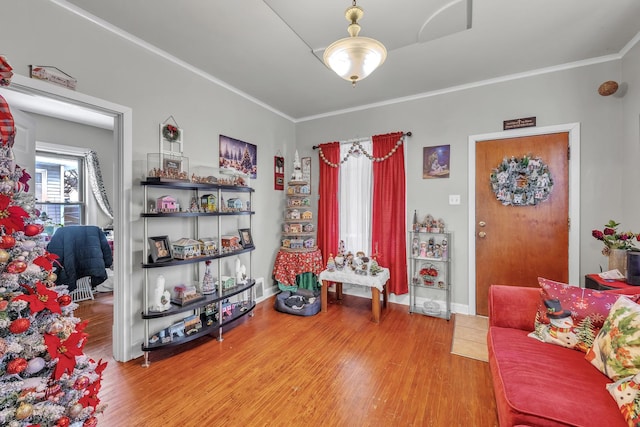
{"x":269,"y":50}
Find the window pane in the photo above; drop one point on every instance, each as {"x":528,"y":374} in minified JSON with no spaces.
{"x":63,"y":178}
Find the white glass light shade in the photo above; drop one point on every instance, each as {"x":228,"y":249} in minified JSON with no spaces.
{"x":354,"y":58}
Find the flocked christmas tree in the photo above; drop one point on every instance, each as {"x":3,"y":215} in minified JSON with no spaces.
{"x":45,"y":378}
{"x":246,"y":164}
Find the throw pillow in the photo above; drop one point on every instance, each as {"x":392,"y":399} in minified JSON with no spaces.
{"x":626,"y":393}
{"x":616,"y":348}
{"x":570,"y":316}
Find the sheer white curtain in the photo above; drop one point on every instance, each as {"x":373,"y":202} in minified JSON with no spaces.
{"x":356,"y":183}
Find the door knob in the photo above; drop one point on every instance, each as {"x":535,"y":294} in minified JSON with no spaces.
{"x":482,"y":223}
{"x":482,"y":234}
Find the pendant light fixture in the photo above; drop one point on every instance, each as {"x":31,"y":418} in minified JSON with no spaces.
{"x":354,"y":58}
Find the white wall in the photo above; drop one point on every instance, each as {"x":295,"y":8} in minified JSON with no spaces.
{"x":111,"y":68}
{"x":630,"y":162}
{"x":556,"y":98}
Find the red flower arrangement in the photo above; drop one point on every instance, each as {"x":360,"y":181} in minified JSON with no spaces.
{"x":612,"y":239}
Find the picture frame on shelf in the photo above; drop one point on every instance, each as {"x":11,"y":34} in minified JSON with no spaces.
{"x":171,"y":165}
{"x":245,"y":238}
{"x":160,"y":249}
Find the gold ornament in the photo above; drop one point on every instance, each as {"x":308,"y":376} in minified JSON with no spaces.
{"x":4,"y":256}
{"x":24,"y":411}
{"x":52,"y":277}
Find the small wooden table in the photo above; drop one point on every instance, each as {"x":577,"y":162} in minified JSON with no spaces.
{"x":377,"y":284}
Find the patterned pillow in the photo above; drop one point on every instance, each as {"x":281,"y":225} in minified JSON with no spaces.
{"x":616,"y":348}
{"x":626,"y":393}
{"x":570,"y":316}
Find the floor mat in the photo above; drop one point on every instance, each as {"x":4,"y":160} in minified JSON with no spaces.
{"x":470,"y":337}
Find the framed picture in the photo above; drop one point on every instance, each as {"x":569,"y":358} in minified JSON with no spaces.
{"x":245,"y":238}
{"x":306,"y":169}
{"x":278,"y":172}
{"x":171,"y":165}
{"x":435,"y":162}
{"x":160,"y":248}
{"x":239,"y":156}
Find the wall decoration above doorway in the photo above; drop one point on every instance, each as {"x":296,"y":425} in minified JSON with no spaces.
{"x":522,"y":181}
{"x":435,"y":162}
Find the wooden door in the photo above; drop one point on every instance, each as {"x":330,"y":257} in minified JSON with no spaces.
{"x":517,"y":244}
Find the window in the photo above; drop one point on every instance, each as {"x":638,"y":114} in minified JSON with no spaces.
{"x":356,"y":199}
{"x":60,"y":188}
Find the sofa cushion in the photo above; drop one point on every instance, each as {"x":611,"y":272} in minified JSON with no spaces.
{"x":626,"y":393}
{"x":570,"y":316}
{"x":545,"y":385}
{"x":616,"y":349}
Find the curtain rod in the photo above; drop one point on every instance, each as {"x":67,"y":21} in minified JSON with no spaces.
{"x":350,"y":141}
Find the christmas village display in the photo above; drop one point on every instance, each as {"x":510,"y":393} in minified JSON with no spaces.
{"x":45,"y":377}
{"x":359,"y":263}
{"x":298,"y":233}
{"x":429,"y":246}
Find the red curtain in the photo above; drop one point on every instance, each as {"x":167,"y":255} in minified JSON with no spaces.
{"x":328,"y":214}
{"x":388,"y":233}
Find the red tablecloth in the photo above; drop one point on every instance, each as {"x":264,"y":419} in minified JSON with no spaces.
{"x":289,"y":264}
{"x":617,"y":284}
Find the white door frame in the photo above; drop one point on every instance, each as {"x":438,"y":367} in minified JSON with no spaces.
{"x":123,"y":138}
{"x":574,"y":197}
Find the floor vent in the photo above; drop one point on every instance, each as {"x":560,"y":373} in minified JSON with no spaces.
{"x":259,"y":287}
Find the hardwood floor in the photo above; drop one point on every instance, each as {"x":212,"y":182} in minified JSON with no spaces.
{"x":332,"y":369}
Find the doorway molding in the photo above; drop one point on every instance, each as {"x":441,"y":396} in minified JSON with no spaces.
{"x":574,"y":197}
{"x":123,"y":142}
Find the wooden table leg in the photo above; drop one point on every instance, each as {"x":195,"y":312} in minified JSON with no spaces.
{"x":375,"y":304}
{"x":338,"y":290}
{"x":385,"y":295}
{"x":323,"y":296}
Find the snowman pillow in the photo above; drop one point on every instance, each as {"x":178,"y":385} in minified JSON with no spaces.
{"x":571,"y":316}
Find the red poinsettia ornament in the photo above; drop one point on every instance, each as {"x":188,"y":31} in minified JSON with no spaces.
{"x":11,"y":217}
{"x":40,"y":299}
{"x":65,"y":351}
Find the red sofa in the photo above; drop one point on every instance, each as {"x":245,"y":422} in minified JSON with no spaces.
{"x":536,"y":383}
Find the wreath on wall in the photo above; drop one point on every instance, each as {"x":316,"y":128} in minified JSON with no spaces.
{"x":524,"y":181}
{"x":171,"y":133}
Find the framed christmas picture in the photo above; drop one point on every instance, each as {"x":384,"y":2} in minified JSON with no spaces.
{"x":239,"y":156}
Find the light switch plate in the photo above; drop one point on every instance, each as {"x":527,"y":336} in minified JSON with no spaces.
{"x":454,"y":199}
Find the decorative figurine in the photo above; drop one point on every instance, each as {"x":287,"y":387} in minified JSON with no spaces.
{"x":161,"y":297}
{"x":415,"y":249}
{"x":208,"y":284}
{"x":297,"y":168}
{"x":331,"y":264}
{"x":423,"y":249}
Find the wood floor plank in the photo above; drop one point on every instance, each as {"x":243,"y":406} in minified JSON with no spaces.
{"x":333,"y":369}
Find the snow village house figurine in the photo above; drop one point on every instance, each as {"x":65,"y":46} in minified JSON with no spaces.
{"x":286,"y":243}
{"x":309,"y":243}
{"x":230,"y":243}
{"x":295,"y":228}
{"x":186,"y":248}
{"x":167,"y":204}
{"x":208,"y":246}
{"x":208,"y":202}
{"x":307,"y":228}
{"x":307,"y":215}
{"x":305,"y":189}
{"x":296,"y":244}
{"x":235,"y":204}
{"x":294,"y":214}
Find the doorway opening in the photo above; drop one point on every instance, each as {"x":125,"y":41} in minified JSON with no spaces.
{"x":121,"y":117}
